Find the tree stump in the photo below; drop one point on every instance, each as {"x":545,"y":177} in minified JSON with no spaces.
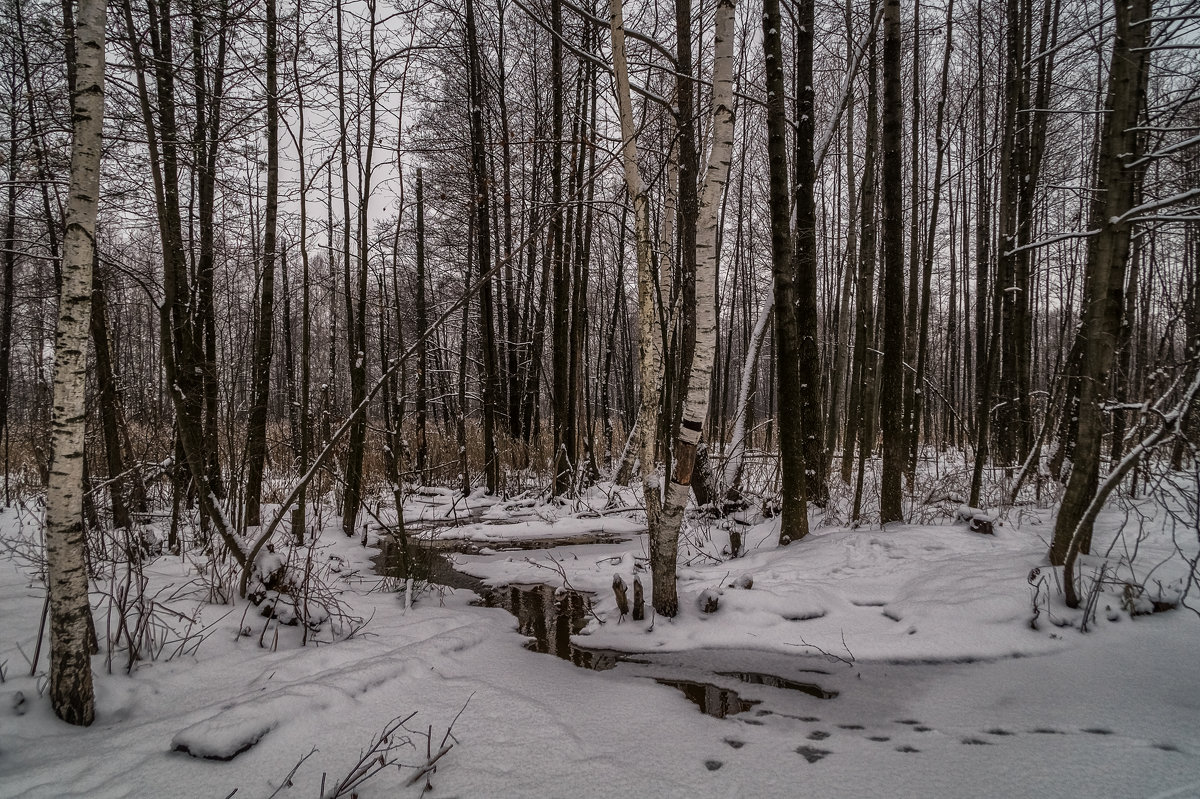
{"x":622,"y":597}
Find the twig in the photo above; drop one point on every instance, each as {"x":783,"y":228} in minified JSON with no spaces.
{"x":372,"y":760}
{"x":429,"y":767}
{"x":287,"y":781}
{"x":827,"y":654}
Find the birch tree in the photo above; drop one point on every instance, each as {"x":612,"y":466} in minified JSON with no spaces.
{"x":71,"y":693}
{"x":698,"y":387}
{"x":649,"y":354}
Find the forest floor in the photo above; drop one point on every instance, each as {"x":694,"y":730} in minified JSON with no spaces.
{"x":891,"y":663}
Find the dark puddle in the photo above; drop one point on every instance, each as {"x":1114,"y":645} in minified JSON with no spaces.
{"x":550,"y":616}
{"x":424,"y":562}
{"x":755,"y":678}
{"x":713,"y":700}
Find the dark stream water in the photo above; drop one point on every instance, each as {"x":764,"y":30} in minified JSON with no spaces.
{"x":549,"y":616}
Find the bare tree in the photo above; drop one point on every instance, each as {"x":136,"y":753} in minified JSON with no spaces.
{"x":787,"y":329}
{"x":256,"y":434}
{"x":1117,"y":174}
{"x":891,"y":396}
{"x":71,"y":691}
{"x":699,"y":380}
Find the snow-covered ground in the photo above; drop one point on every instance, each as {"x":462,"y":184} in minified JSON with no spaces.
{"x":943,"y":688}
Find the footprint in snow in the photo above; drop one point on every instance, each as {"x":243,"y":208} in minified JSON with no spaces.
{"x":818,"y":735}
{"x":998,"y":731}
{"x":735,"y":743}
{"x":1098,"y":730}
{"x":975,"y":742}
{"x":713,"y":765}
{"x":811,"y":753}
{"x":852,"y":726}
{"x":878,"y":738}
{"x":907,"y":749}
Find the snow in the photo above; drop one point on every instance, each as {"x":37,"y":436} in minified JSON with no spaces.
{"x":923,"y":632}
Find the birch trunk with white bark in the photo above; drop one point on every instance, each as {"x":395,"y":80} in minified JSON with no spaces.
{"x":649,"y":341}
{"x":71,"y":693}
{"x":699,"y":381}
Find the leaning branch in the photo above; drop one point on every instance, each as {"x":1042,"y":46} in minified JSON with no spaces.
{"x":1170,"y":425}
{"x":847,"y":90}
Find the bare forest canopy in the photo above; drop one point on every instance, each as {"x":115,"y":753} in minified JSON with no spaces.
{"x":342,"y":250}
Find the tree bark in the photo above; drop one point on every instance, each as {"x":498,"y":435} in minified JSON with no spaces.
{"x":860,"y":421}
{"x":794,"y":525}
{"x":561,"y":320}
{"x":891,"y":396}
{"x":71,"y":693}
{"x":111,"y":418}
{"x":491,"y":377}
{"x":10,"y":268}
{"x":918,"y":395}
{"x":299,"y":520}
{"x":1117,"y":173}
{"x":422,"y":333}
{"x":804,"y":259}
{"x":256,"y":434}
{"x":649,"y":342}
{"x":698,"y":385}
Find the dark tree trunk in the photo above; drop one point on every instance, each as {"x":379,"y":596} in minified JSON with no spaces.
{"x":927,"y":265}
{"x":422,"y":398}
{"x":787,"y":329}
{"x":256,"y":433}
{"x":1108,"y":252}
{"x":804,"y":260}
{"x":491,"y":377}
{"x":111,"y":417}
{"x":891,"y":379}
{"x":561,"y":333}
{"x":862,"y":418}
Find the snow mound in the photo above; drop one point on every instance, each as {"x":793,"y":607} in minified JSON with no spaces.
{"x":225,"y":735}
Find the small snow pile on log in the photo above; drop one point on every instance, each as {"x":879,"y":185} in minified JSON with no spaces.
{"x":224,"y":736}
{"x":978,"y":521}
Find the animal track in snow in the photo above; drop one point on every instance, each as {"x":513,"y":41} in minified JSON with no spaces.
{"x":811,"y":753}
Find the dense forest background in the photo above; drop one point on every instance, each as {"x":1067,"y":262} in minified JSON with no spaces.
{"x":856,"y":258}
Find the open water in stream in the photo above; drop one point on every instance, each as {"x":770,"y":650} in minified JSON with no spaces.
{"x":549,"y":616}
